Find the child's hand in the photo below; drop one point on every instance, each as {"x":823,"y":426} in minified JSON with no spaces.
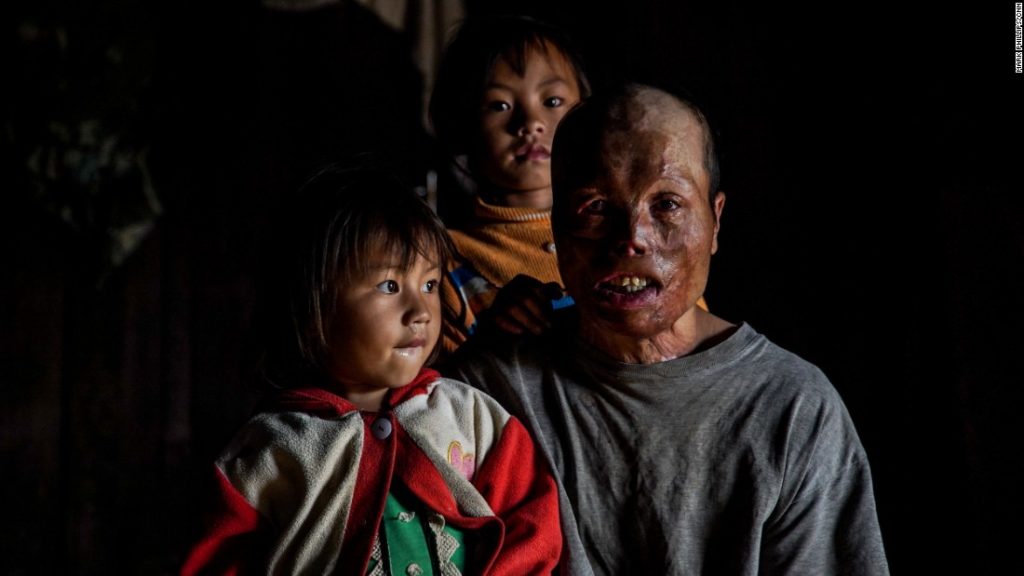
{"x":523,"y":305}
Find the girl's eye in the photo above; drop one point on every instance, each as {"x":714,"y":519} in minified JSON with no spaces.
{"x":388,"y":287}
{"x":554,"y":102}
{"x":430,"y":286}
{"x":497,"y":106}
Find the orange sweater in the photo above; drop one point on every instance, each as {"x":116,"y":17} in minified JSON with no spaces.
{"x":501,"y":243}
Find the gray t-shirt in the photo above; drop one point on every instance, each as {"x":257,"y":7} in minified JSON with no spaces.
{"x":740,"y":459}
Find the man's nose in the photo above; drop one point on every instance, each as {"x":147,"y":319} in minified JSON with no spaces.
{"x":632,"y":235}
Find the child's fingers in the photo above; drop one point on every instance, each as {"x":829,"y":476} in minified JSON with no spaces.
{"x":523,"y":305}
{"x":531,"y":315}
{"x":520,"y":319}
{"x":522,"y":316}
{"x":508,"y":324}
{"x":552,"y":291}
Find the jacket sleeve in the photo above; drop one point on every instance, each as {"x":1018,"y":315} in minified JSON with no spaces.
{"x":234,"y":537}
{"x":522,"y":492}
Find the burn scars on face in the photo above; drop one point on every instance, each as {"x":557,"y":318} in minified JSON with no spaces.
{"x":639,"y":262}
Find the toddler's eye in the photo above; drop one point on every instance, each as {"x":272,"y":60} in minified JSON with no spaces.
{"x":594,"y":207}
{"x":430,"y":286}
{"x":388,"y":287}
{"x":497,"y":106}
{"x":554,"y":102}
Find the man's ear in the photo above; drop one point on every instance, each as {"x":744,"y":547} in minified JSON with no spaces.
{"x":717,"y":205}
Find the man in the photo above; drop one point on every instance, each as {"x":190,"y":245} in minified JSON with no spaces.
{"x":683,"y":444}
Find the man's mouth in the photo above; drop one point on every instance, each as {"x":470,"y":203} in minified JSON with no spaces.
{"x":627,"y":284}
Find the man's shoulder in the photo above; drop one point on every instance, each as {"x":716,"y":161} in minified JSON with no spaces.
{"x":506,"y":367}
{"x":759,"y":350}
{"x":759,"y":363}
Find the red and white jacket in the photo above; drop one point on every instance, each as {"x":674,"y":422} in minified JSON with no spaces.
{"x":302,"y":485}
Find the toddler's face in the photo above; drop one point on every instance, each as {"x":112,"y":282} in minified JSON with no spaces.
{"x":386,"y":324}
{"x":518,"y":118}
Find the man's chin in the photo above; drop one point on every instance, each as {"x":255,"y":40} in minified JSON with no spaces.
{"x":629,"y":324}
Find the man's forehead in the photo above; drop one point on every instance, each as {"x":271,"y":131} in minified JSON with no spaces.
{"x":654,"y":139}
{"x":641,"y":130}
{"x":651,"y":110}
{"x":668,"y":143}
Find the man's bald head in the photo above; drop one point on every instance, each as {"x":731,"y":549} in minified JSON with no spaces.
{"x":633,"y":108}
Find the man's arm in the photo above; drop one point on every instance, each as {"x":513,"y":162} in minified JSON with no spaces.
{"x":825,"y":521}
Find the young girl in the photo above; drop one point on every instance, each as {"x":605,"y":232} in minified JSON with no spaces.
{"x":362,"y":461}
{"x":504,"y":84}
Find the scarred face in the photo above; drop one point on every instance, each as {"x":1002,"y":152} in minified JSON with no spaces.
{"x":636,"y":228}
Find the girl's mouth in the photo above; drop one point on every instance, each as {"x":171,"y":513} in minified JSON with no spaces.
{"x":412,"y":347}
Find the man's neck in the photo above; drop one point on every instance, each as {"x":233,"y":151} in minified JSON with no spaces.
{"x":695,"y":331}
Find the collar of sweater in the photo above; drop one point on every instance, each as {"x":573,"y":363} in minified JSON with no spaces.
{"x":485,"y":212}
{"x":321,"y":402}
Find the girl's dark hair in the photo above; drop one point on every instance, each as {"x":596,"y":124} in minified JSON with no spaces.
{"x":339,"y":221}
{"x":469,"y":60}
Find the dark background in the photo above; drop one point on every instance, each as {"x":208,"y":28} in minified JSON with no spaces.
{"x":873,"y":225}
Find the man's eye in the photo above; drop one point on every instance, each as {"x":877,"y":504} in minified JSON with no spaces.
{"x":497,"y":106}
{"x":666,"y":205}
{"x":554,"y":102}
{"x":388,"y":287}
{"x":430,"y":286}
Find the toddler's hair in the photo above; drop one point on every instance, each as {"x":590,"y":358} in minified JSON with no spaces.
{"x":469,"y":60}
{"x":341,"y":219}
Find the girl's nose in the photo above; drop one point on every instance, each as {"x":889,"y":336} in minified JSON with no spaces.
{"x":417,"y":311}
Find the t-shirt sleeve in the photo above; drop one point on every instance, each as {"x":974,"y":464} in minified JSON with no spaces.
{"x":825,"y":520}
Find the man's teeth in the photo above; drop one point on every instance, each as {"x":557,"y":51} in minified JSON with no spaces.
{"x":630,"y":283}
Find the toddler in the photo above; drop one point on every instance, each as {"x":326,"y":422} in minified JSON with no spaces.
{"x":504,"y":84}
{"x":361,"y":460}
